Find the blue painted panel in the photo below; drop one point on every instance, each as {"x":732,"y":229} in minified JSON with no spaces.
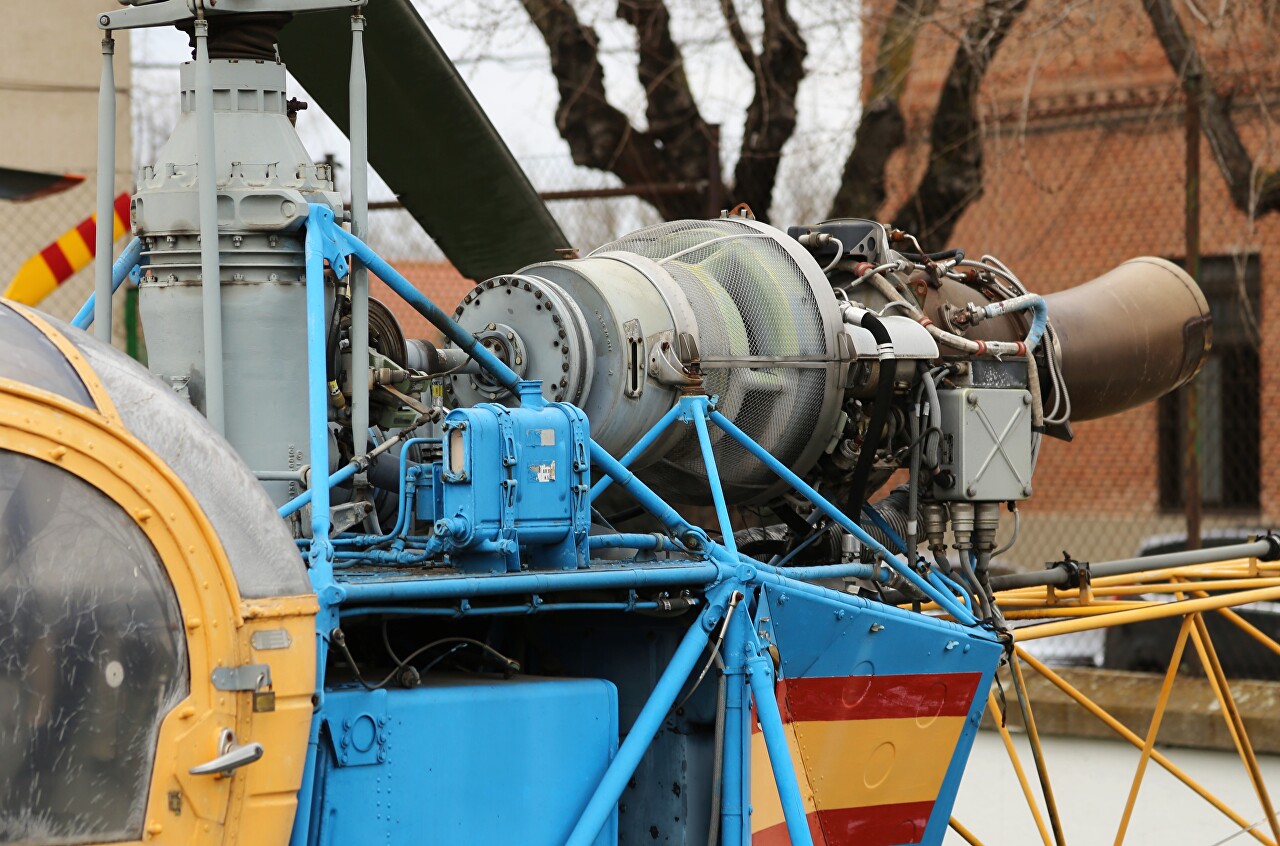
{"x":466,"y":761}
{"x":831,"y":634}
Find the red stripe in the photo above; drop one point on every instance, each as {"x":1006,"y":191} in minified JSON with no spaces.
{"x":122,"y":208}
{"x":88,"y":234}
{"x":58,"y":264}
{"x":876,"y":825}
{"x":776,"y":835}
{"x":882,"y":697}
{"x":872,"y":825}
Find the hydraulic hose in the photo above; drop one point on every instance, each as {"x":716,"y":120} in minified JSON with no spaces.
{"x":879,"y":407}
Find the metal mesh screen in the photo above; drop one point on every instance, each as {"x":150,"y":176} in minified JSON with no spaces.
{"x":764,"y":347}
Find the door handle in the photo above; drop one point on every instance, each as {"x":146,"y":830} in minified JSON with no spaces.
{"x":231,"y":756}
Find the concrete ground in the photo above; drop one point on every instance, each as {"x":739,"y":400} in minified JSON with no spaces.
{"x":1091,"y":779}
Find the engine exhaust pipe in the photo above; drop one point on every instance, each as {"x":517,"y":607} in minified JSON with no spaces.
{"x":1130,"y":336}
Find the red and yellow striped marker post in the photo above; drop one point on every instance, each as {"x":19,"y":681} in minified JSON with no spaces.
{"x":41,"y":274}
{"x":871,"y":753}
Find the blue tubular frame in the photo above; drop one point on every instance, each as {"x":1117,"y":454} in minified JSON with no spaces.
{"x":120,"y":271}
{"x":948,"y":604}
{"x":697,"y":407}
{"x":726,"y":577}
{"x":640,"y":446}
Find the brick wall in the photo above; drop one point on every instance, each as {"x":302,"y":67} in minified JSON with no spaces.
{"x":1084,"y":156}
{"x":439,"y":280}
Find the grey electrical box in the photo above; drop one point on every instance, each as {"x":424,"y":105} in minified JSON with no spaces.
{"x":986,"y":444}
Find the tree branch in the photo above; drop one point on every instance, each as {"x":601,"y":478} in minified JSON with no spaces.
{"x":1251,"y":191}
{"x":771,"y":116}
{"x":670,"y":109}
{"x":953,"y":179}
{"x":881,"y":129}
{"x":599,"y":135}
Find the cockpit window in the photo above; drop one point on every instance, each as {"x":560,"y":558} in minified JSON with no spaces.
{"x":27,"y":356}
{"x":92,"y":656}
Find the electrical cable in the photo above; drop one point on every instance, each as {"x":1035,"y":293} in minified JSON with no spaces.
{"x":339,"y":639}
{"x":839,"y":255}
{"x":717,"y":759}
{"x":715,"y":648}
{"x":1017,"y":520}
{"x":879,"y":413}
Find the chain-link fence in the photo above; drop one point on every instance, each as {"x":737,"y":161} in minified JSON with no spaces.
{"x":33,"y":226}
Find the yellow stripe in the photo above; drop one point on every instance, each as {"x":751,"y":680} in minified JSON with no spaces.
{"x":766,"y":805}
{"x":32,"y":283}
{"x":75,"y":249}
{"x":118,"y":227}
{"x":857,"y":763}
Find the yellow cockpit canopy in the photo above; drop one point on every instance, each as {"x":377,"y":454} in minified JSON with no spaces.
{"x":260,"y":550}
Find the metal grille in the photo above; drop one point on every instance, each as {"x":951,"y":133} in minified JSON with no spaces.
{"x":764,"y":345}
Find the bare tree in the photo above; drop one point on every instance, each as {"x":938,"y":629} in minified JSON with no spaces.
{"x":953,"y":179}
{"x":676,"y":145}
{"x":1252,"y":190}
{"x":882,"y":129}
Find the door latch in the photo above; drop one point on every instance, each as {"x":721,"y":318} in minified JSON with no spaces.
{"x":231,"y":756}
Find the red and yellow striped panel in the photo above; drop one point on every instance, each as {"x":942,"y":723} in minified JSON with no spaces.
{"x":41,"y":274}
{"x":871,"y":755}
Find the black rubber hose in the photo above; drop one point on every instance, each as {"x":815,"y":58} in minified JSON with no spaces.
{"x":879,"y":417}
{"x":957,"y":254}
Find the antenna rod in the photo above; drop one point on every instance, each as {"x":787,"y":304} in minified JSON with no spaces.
{"x":210,"y":275}
{"x":359,"y":228}
{"x":105,"y":226}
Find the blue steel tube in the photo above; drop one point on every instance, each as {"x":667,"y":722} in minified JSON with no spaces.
{"x":650,"y":501}
{"x":321,"y":554}
{"x":340,"y":476}
{"x":119,"y":272}
{"x":414,"y":590}
{"x":760,"y":677}
{"x":640,"y":446}
{"x":432,"y":312}
{"x":958,"y":612}
{"x":735,"y":773}
{"x":698,"y":407}
{"x":646,"y":725}
{"x":628,"y":540}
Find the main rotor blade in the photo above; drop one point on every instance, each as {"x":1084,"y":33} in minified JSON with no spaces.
{"x":428,"y":137}
{"x":23,"y":185}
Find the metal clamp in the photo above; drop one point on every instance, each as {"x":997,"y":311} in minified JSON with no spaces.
{"x":1077,"y":572}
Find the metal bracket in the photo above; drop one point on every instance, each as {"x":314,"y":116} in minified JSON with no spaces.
{"x":359,"y":729}
{"x":244,"y":677}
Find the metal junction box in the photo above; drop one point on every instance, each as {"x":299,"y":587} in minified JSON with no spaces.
{"x":986,"y":445}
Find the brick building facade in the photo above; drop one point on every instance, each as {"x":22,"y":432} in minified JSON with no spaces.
{"x":1084,"y":168}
